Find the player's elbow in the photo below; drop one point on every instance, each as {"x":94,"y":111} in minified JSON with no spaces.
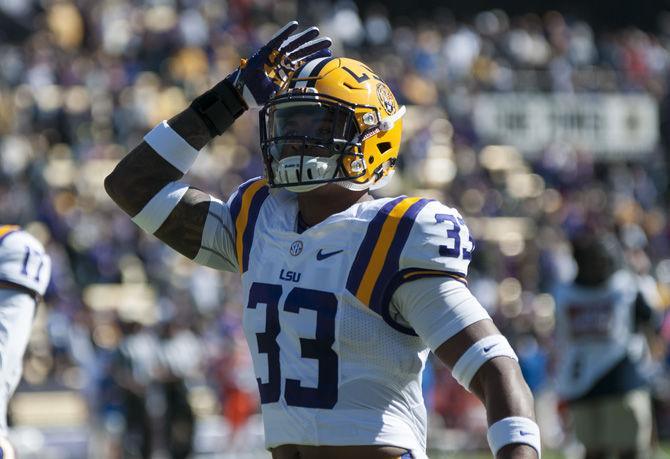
{"x":120,"y":189}
{"x":112,"y":186}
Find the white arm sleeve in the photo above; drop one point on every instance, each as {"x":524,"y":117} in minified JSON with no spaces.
{"x":437,"y":308}
{"x":217,"y":247}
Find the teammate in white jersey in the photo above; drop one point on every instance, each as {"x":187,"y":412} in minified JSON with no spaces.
{"x":600,"y":318}
{"x":345,"y":294}
{"x":25,"y":270}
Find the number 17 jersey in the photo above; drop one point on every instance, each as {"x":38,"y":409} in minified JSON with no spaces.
{"x":334,"y":364}
{"x":23,"y":261}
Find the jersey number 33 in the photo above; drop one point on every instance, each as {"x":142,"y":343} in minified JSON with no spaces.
{"x":319,"y":348}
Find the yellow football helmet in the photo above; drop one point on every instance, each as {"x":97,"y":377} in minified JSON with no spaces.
{"x":334,"y":120}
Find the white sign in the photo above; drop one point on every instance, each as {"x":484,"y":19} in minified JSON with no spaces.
{"x":609,"y":125}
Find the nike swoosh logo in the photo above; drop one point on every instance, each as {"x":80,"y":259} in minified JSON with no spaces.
{"x":523,"y":434}
{"x":488,"y":348}
{"x":320,"y":255}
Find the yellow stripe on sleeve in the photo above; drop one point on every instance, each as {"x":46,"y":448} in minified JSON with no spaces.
{"x":6,"y":229}
{"x":387,"y":233}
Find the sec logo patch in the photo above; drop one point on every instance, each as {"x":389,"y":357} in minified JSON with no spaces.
{"x":296,"y":248}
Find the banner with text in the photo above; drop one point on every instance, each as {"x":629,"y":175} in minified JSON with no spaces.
{"x":608,"y":125}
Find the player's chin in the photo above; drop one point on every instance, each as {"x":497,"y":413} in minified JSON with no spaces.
{"x":330,"y":191}
{"x":325,"y":190}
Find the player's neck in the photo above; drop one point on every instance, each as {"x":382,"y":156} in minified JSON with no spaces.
{"x":317,"y":205}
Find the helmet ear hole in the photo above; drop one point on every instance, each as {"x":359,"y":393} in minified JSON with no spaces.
{"x":384,"y":147}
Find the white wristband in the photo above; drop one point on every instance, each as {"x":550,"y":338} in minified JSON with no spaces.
{"x":477,"y":355}
{"x":154,"y":213}
{"x":514,"y":429}
{"x":171,"y":146}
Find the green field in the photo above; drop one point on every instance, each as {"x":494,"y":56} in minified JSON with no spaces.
{"x":434,"y":455}
{"x":662,"y":453}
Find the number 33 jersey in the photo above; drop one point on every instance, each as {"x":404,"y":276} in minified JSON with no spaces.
{"x":334,"y":364}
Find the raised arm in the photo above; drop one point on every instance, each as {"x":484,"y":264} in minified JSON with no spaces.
{"x":143,"y":173}
{"x":145,"y":184}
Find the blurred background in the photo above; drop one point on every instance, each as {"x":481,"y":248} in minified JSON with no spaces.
{"x":535,"y":123}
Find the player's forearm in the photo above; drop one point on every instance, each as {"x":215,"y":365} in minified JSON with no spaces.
{"x":143,"y":172}
{"x":517,"y":452}
{"x":190,"y":126}
{"x":504,"y":392}
{"x":168,"y":151}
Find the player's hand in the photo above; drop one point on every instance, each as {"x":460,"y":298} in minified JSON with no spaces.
{"x":259,"y":77}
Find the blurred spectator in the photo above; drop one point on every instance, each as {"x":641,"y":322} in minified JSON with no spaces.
{"x":601,"y":351}
{"x":153,"y":370}
{"x":181,"y":353}
{"x":136,"y":373}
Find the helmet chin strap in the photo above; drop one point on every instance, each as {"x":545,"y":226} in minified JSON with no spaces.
{"x":386,"y":124}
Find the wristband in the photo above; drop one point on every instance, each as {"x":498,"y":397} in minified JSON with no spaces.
{"x":514,"y":430}
{"x":159,"y":208}
{"x":171,"y":146}
{"x":219,"y":107}
{"x":477,"y":355}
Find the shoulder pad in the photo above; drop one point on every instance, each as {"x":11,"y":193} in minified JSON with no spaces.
{"x":6,"y":230}
{"x":14,"y":239}
{"x":245,"y":205}
{"x":23,"y":260}
{"x":408,"y":237}
{"x":439,"y":241}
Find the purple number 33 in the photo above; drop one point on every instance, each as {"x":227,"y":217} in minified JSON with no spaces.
{"x":455,"y":234}
{"x":28,"y":259}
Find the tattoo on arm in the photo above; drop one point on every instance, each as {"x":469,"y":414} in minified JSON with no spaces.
{"x":143,"y":173}
{"x":189,"y":125}
{"x":182,"y":230}
{"x":138,"y":177}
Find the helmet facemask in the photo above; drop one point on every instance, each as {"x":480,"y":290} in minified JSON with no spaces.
{"x":308,"y":140}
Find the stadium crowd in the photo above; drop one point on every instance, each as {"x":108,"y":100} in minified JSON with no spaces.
{"x":126,"y":319}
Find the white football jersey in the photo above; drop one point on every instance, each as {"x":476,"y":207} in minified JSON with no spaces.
{"x":334,"y":367}
{"x":595,"y":331}
{"x":23,"y":260}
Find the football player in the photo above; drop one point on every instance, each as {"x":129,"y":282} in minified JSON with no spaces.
{"x":25,"y":270}
{"x":345,"y":295}
{"x":601,"y":318}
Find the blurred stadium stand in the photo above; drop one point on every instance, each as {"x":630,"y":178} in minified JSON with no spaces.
{"x":535,"y":123}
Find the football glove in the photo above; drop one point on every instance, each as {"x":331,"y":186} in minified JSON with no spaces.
{"x":258,"y":78}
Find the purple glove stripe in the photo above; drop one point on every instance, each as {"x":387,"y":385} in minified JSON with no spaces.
{"x":310,"y":48}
